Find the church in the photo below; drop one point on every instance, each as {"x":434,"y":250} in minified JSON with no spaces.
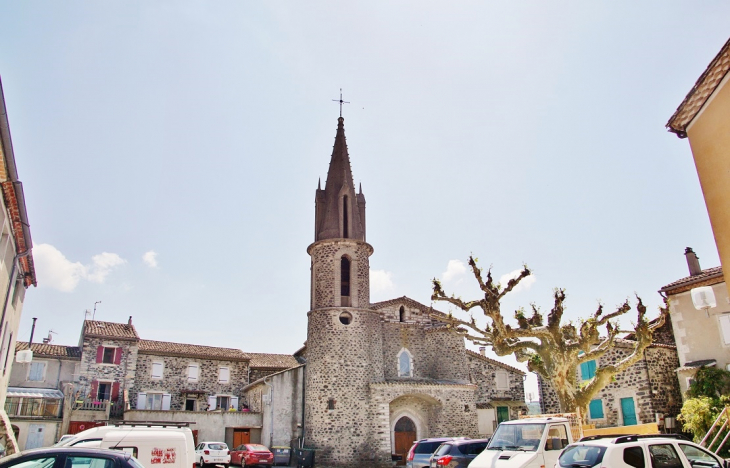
{"x":374,"y":377}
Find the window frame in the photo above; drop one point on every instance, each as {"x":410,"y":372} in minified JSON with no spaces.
{"x":220,"y":374}
{"x":665,"y":444}
{"x":195,"y":365}
{"x":410,"y":363}
{"x":724,"y":330}
{"x":505,"y":376}
{"x":586,"y":365}
{"x":43,"y":372}
{"x":152,"y":370}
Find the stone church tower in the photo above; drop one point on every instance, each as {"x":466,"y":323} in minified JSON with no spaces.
{"x":344,"y":342}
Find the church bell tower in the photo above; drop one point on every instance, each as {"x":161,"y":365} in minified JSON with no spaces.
{"x":344,"y":341}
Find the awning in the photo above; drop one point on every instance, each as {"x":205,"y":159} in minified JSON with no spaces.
{"x":510,"y":403}
{"x":695,"y":365}
{"x":49,"y":393}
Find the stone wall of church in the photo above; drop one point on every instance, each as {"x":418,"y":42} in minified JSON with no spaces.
{"x":436,"y":354}
{"x":342,"y":361}
{"x":483,"y":373}
{"x":175,"y":378}
{"x":651,"y":383}
{"x":326,"y":284}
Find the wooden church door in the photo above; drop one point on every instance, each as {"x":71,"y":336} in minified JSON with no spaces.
{"x":404,"y":435}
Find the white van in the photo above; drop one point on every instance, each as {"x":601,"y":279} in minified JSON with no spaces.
{"x":155,"y":445}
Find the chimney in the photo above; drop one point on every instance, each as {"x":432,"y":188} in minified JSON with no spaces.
{"x":483,"y":350}
{"x":130,"y":320}
{"x":693,"y":262}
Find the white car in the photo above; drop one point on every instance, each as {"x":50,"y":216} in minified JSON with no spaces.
{"x":212,"y":453}
{"x":636,"y":451}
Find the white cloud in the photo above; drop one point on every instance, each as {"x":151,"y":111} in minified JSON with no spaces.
{"x":454,"y":270}
{"x":58,"y":272}
{"x":525,"y":284}
{"x":150,"y":259}
{"x":381,"y":281}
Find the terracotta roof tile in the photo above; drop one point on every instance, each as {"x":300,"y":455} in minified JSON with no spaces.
{"x":495,"y":362}
{"x":190,"y":350}
{"x":121,"y":331}
{"x":272,"y":361}
{"x":683,"y":284}
{"x":700,"y":92}
{"x":50,"y":350}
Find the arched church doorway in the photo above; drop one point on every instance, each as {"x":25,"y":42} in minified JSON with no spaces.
{"x":404,"y":436}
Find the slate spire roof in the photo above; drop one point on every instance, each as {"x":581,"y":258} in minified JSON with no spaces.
{"x":334,"y":218}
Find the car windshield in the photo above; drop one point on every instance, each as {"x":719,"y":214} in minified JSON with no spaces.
{"x":257,"y":448}
{"x":218,"y":446}
{"x":525,"y":437}
{"x":580,"y":456}
{"x":427,"y":447}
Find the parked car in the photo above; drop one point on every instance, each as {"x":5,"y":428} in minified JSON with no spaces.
{"x":457,"y":453}
{"x":168,"y":444}
{"x":252,"y":455}
{"x":71,"y":457}
{"x":419,"y":456}
{"x":638,"y":451}
{"x":212,"y":453}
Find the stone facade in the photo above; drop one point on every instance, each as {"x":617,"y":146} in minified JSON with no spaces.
{"x":176,"y":382}
{"x":651,"y":383}
{"x":122,"y":373}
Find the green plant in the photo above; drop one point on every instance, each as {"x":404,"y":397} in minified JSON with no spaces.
{"x":698,"y":414}
{"x":709,"y":382}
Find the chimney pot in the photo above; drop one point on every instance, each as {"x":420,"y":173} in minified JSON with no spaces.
{"x":483,"y":350}
{"x":693,"y":262}
{"x":130,"y":320}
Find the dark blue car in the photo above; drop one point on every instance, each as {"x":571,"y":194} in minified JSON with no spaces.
{"x":71,"y":457}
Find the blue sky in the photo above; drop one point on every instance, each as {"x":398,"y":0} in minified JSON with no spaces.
{"x":170,"y":151}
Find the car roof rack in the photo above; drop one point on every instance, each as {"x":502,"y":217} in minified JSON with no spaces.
{"x":154,"y":423}
{"x":624,"y":438}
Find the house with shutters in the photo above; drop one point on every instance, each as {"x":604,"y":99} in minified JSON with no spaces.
{"x":35,"y":399}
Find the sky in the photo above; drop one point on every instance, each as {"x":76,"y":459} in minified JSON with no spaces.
{"x":170,"y":152}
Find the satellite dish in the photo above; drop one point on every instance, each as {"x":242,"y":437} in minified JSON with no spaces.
{"x":23,"y":356}
{"x":703,"y":298}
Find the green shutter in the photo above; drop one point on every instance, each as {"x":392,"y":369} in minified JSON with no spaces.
{"x":596,"y":409}
{"x":588,"y":370}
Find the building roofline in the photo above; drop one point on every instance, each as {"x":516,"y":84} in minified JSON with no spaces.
{"x":495,"y":362}
{"x":702,"y":90}
{"x":707,"y":277}
{"x":261,"y":380}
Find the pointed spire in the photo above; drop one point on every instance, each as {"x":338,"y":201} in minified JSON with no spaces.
{"x":319,"y":183}
{"x":337,"y":220}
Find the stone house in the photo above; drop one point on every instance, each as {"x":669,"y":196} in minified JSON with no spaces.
{"x":702,"y":336}
{"x":35,"y":397}
{"x":17,"y":270}
{"x":637,"y":395}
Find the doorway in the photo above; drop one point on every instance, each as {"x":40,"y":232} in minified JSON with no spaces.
{"x":628,"y":411}
{"x":502,"y":414}
{"x":35,"y":436}
{"x":241,"y":436}
{"x":404,"y":436}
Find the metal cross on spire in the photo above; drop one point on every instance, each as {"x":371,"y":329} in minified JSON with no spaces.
{"x":341,"y":102}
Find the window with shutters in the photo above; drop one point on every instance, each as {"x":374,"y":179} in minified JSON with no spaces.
{"x":157,"y":369}
{"x":595,"y":408}
{"x":588,"y":370}
{"x":37,"y":372}
{"x":108,"y":355}
{"x":725,"y":328}
{"x":224,"y":375}
{"x":501,"y":380}
{"x":154,"y":401}
{"x":223,"y":402}
{"x":193,"y":372}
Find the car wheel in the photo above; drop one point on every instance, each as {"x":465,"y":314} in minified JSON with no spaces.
{"x":200,"y":463}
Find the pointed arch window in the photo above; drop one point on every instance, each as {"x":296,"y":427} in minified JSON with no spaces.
{"x":345,"y":278}
{"x":405,"y":363}
{"x":345,"y":227}
{"x":402,"y":314}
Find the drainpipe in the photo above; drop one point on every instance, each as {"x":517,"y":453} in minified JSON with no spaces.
{"x":304,"y":399}
{"x":271,"y":403}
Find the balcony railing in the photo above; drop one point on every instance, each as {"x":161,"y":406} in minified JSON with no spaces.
{"x":90,"y":405}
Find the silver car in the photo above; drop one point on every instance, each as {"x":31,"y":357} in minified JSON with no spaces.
{"x":419,"y":455}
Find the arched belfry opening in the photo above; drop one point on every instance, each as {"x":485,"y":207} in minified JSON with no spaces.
{"x":345,"y":265}
{"x":402,"y":314}
{"x":345,"y":225}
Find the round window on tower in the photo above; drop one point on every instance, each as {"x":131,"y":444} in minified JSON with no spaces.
{"x":345,"y":318}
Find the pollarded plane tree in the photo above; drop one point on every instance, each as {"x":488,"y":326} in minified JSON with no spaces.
{"x":551,"y":349}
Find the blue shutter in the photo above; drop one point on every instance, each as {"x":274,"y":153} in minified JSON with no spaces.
{"x":628,"y":411}
{"x":588,"y":370}
{"x":596,"y":409}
